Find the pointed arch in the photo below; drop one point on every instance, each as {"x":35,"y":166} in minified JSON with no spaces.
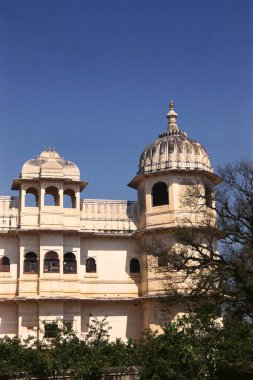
{"x":160,"y":194}
{"x":69,"y":263}
{"x":4,"y":264}
{"x":51,"y":262}
{"x":31,"y":263}
{"x":91,"y":266}
{"x":134,"y":266}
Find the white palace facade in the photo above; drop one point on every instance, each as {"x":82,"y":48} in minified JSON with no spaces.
{"x":64,"y":257}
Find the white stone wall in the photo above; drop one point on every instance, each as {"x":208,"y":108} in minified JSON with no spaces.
{"x":9,"y":212}
{"x":108,"y":215}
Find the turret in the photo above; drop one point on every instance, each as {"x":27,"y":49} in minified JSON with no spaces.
{"x":50,"y":190}
{"x":166,"y":167}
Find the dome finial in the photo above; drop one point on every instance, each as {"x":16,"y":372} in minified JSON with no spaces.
{"x":172,"y":118}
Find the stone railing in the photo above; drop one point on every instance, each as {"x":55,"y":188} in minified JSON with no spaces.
{"x":108,"y":216}
{"x":187,"y":165}
{"x":9,"y":212}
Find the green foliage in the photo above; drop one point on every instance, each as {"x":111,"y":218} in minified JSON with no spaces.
{"x":194,"y":347}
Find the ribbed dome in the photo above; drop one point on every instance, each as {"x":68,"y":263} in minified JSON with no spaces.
{"x":173,"y":150}
{"x":50,"y":164}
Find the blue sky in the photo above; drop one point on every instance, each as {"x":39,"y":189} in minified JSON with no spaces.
{"x":94,"y":78}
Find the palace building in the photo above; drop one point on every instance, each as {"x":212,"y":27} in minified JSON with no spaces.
{"x":65,"y":257}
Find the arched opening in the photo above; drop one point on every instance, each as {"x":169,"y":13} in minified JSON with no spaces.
{"x":4,"y":264}
{"x":69,"y":199}
{"x":31,"y":197}
{"x":134,"y":266}
{"x":69,"y":264}
{"x":91,"y":266}
{"x":31,"y":263}
{"x":51,"y":262}
{"x":160,"y":194}
{"x":208,"y":196}
{"x":51,"y":197}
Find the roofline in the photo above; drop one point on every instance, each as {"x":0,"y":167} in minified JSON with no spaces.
{"x":18,"y":181}
{"x":134,"y":183}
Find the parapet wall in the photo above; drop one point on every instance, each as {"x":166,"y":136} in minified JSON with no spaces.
{"x":96,"y":215}
{"x":108,"y":215}
{"x":9,"y":212}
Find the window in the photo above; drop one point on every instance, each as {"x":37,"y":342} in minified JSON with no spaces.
{"x":51,"y":196}
{"x":31,"y":263}
{"x":208,"y":196}
{"x":31,"y":197}
{"x":51,"y":262}
{"x":134,"y":266}
{"x":160,"y":194}
{"x":91,"y":266}
{"x":4,"y":264}
{"x":69,"y":264}
{"x":51,"y":329}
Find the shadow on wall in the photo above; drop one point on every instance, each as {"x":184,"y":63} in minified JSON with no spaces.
{"x":124,"y":318}
{"x":131,"y":210}
{"x":8,"y":318}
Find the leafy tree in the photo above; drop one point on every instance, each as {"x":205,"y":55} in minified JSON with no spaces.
{"x":208,"y":266}
{"x":194,"y":347}
{"x":214,"y":272}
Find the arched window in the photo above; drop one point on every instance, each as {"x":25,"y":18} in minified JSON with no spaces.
{"x":208,"y":196}
{"x":52,"y":197}
{"x":91,"y":266}
{"x":51,"y":262}
{"x":69,"y":199}
{"x":69,"y":264}
{"x":31,"y":263}
{"x":134,"y":266}
{"x":4,"y":264}
{"x":160,"y":194}
{"x":31,"y":197}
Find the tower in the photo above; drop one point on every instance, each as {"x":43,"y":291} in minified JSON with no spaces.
{"x":167,"y":167}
